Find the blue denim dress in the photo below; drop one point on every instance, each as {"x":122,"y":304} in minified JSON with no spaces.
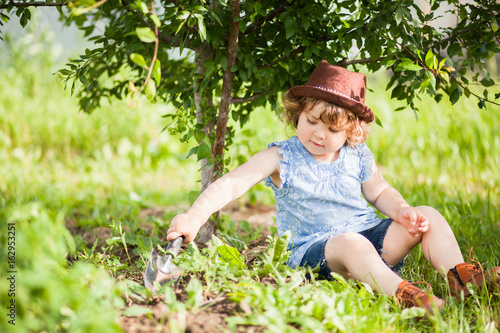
{"x":318,"y":200}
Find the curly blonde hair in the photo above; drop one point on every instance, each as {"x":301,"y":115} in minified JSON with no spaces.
{"x":356,"y":129}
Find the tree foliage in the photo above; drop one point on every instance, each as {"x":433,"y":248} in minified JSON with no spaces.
{"x":236,"y":56}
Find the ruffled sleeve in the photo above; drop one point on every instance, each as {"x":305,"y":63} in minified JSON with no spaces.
{"x":365,"y":162}
{"x":286,"y":155}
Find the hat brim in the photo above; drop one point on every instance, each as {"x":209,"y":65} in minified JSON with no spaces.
{"x":356,"y":107}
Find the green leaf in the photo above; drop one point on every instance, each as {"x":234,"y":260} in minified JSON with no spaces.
{"x":455,"y":95}
{"x":183,"y":15}
{"x":181,"y":25}
{"x":199,"y":135}
{"x":195,"y":293}
{"x":139,"y":60}
{"x":306,"y":22}
{"x":156,"y":20}
{"x":157,"y":72}
{"x":407,"y":65}
{"x":140,"y":243}
{"x":145,"y":34}
{"x":495,"y":25}
{"x":441,"y":63}
{"x":429,"y":59}
{"x":398,"y":15}
{"x":192,"y":151}
{"x":444,"y":75}
{"x":279,"y":252}
{"x":144,"y":8}
{"x":389,"y":63}
{"x":308,"y":53}
{"x":191,"y":21}
{"x":276,"y":253}
{"x":25,"y":17}
{"x":223,"y":63}
{"x":397,"y":91}
{"x":113,"y":240}
{"x":204,"y":151}
{"x":150,"y":90}
{"x":487,"y":82}
{"x":454,"y":49}
{"x":290,"y":29}
{"x":429,"y":81}
{"x":202,"y":30}
{"x":83,"y":79}
{"x":231,"y":255}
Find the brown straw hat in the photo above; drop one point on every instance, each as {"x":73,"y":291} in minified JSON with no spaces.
{"x":337,"y":85}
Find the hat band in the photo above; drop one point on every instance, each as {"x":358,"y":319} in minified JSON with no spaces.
{"x":336,"y":92}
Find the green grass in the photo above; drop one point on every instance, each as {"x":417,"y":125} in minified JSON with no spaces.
{"x":91,"y":172}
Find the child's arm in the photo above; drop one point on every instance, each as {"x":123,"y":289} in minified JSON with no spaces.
{"x":224,"y":190}
{"x":389,"y":201}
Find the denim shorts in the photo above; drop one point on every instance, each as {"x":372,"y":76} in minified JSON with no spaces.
{"x":315,"y":255}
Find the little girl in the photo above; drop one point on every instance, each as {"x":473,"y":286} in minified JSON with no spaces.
{"x":319,"y":179}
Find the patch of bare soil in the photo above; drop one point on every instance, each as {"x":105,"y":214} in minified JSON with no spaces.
{"x":211,"y":317}
{"x":90,"y":235}
{"x":257,"y":215}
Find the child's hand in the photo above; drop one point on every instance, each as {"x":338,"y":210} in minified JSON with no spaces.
{"x":183,"y":225}
{"x":414,"y":221}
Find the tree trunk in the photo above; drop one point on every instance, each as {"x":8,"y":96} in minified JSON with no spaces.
{"x":208,"y":228}
{"x":202,"y":55}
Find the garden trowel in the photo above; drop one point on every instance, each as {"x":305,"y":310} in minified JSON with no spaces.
{"x":161,"y":269}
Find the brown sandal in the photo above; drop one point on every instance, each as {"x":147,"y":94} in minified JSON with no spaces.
{"x":464,"y":273}
{"x":408,"y":295}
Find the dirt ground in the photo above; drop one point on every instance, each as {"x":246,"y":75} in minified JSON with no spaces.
{"x":211,"y":317}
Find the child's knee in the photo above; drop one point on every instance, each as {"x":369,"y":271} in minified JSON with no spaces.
{"x":431,"y":213}
{"x":349,"y":242}
{"x":343,"y":249}
{"x":436,"y":220}
{"x":428,"y":210}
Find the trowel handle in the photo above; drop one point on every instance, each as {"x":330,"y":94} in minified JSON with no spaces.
{"x":174,"y":246}
{"x":165,"y":263}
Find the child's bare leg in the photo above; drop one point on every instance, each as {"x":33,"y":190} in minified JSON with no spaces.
{"x":439,"y":244}
{"x":352,"y":255}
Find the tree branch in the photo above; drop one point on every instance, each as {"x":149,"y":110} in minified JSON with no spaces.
{"x":227,"y":85}
{"x":447,"y":39}
{"x":34,"y":4}
{"x":470,"y":92}
{"x":155,"y":55}
{"x":207,"y":229}
{"x":239,"y":100}
{"x":345,"y":62}
{"x":269,"y":17}
{"x":452,"y":77}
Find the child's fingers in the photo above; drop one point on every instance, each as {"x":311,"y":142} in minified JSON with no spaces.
{"x":423,"y":224}
{"x":423,"y":227}
{"x":412,"y":215}
{"x":413,"y":233}
{"x":173,"y":235}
